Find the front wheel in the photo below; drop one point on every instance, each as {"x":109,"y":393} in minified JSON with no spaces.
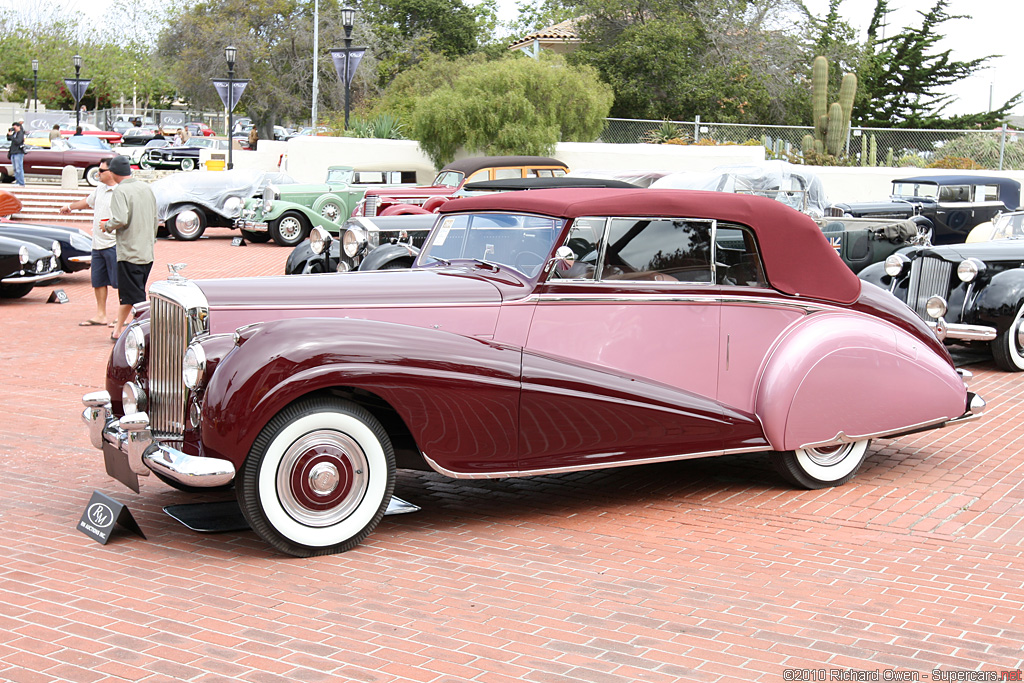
{"x":188,"y":225}
{"x":15,"y":291}
{"x":290,"y":229}
{"x":188,"y":164}
{"x":318,"y":478}
{"x":821,"y":467}
{"x":146,"y":165}
{"x":1008,"y":346}
{"x":256,"y":237}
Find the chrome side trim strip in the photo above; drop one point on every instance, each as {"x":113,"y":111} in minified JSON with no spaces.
{"x":507,"y":474}
{"x":38,"y":279}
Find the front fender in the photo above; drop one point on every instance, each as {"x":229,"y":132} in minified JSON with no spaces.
{"x":843,"y":377}
{"x":997,"y":302}
{"x":389,"y":253}
{"x":457,"y":395}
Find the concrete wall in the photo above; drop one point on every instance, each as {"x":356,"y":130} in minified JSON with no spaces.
{"x":308,"y":158}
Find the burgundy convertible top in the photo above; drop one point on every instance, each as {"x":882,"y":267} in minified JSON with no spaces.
{"x":798,"y":259}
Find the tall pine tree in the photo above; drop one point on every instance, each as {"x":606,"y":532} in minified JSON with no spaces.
{"x":900,"y":76}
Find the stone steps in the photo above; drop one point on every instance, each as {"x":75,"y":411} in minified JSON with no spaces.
{"x":41,"y":203}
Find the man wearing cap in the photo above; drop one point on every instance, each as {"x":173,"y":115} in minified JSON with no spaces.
{"x":16,"y":152}
{"x":133,"y":222}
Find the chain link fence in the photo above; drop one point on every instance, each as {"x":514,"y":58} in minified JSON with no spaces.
{"x":900,"y":147}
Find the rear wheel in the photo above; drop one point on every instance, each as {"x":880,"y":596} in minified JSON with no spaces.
{"x":92,"y":176}
{"x":1008,"y":346}
{"x":188,"y":225}
{"x":821,"y":467}
{"x":290,"y":229}
{"x":318,"y":478}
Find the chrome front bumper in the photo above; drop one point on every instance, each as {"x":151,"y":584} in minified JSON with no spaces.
{"x":37,"y":279}
{"x":132,"y":436}
{"x":251,"y":226}
{"x":944,"y":330}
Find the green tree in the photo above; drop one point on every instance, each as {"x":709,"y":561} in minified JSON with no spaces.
{"x":514,"y":106}
{"x":406,"y":31}
{"x":901,"y":76}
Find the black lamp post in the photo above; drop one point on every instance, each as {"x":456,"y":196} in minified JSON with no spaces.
{"x":35,"y":85}
{"x":229,"y":56}
{"x":78,"y":71}
{"x":348,"y":19}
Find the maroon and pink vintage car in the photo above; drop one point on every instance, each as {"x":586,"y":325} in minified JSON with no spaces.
{"x":538,"y":332}
{"x":400,"y":201}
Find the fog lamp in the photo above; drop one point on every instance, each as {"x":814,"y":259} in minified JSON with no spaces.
{"x":133,"y":398}
{"x":935,"y":307}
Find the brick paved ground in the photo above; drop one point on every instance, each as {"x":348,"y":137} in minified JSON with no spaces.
{"x":695,"y":571}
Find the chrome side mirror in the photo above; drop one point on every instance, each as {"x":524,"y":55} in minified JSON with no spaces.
{"x":564,"y":258}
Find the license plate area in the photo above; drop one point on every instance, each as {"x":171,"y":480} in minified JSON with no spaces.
{"x":116,"y":463}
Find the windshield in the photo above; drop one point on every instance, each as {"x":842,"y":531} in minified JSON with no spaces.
{"x":918,"y":190}
{"x":449,"y":178}
{"x":199,"y":142}
{"x":1009,"y":226}
{"x":519,"y":241}
{"x":88,"y":142}
{"x":339,"y":175}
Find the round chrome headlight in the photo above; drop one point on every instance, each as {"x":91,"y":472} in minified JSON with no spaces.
{"x":187,"y":221}
{"x":969,"y":269}
{"x":133,"y":398}
{"x":232,"y":205}
{"x":935,"y":307}
{"x":894,"y":264}
{"x":23,"y":254}
{"x":269,"y":195}
{"x":319,"y":240}
{"x":55,"y":248}
{"x":134,"y":346}
{"x":343,"y":266}
{"x":193,"y":367}
{"x":352,"y":241}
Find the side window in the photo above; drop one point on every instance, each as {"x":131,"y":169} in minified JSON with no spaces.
{"x":986,"y":193}
{"x":661,"y":249}
{"x":736,"y":258}
{"x":478,"y":176}
{"x":955,"y":193}
{"x":585,"y":241}
{"x":505,"y":173}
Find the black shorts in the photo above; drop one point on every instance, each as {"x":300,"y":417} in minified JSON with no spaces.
{"x":131,"y":282}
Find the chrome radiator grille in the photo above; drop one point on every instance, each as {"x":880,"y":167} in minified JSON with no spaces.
{"x":928,"y":277}
{"x":169,"y":335}
{"x":370,"y":208}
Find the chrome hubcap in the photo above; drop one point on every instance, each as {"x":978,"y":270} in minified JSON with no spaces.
{"x":290,"y":228}
{"x":330,"y":212}
{"x":323,"y":478}
{"x":827,"y":456}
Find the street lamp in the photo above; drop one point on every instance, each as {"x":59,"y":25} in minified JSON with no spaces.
{"x":35,"y":85}
{"x":348,"y":19}
{"x":229,"y":56}
{"x":78,"y":71}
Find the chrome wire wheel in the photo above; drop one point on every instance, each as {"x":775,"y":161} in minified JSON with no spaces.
{"x":331,"y":211}
{"x":289,"y":230}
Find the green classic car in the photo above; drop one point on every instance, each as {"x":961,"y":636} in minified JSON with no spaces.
{"x":289,"y":212}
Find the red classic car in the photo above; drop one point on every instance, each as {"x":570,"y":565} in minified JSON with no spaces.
{"x":39,"y":161}
{"x":395,"y":201}
{"x":538,"y":332}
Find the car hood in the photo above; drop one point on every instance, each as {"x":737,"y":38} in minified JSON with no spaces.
{"x":989,"y":252}
{"x":468,"y":296}
{"x":11,"y":245}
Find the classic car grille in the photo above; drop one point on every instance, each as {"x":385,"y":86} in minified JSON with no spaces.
{"x":169,"y":334}
{"x":928,"y":277}
{"x":370,"y":209}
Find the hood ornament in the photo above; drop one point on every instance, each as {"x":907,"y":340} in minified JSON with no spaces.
{"x":175,"y":269}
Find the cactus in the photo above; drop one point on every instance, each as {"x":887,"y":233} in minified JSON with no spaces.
{"x":807,"y":144}
{"x":873,"y":151}
{"x":819,"y":96}
{"x":888,"y":158}
{"x":831,"y":123}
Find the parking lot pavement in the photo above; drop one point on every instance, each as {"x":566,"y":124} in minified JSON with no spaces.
{"x":707,"y":570}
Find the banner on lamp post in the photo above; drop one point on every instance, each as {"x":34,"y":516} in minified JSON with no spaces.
{"x":233,"y":87}
{"x":355,"y":55}
{"x":77,"y":87}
